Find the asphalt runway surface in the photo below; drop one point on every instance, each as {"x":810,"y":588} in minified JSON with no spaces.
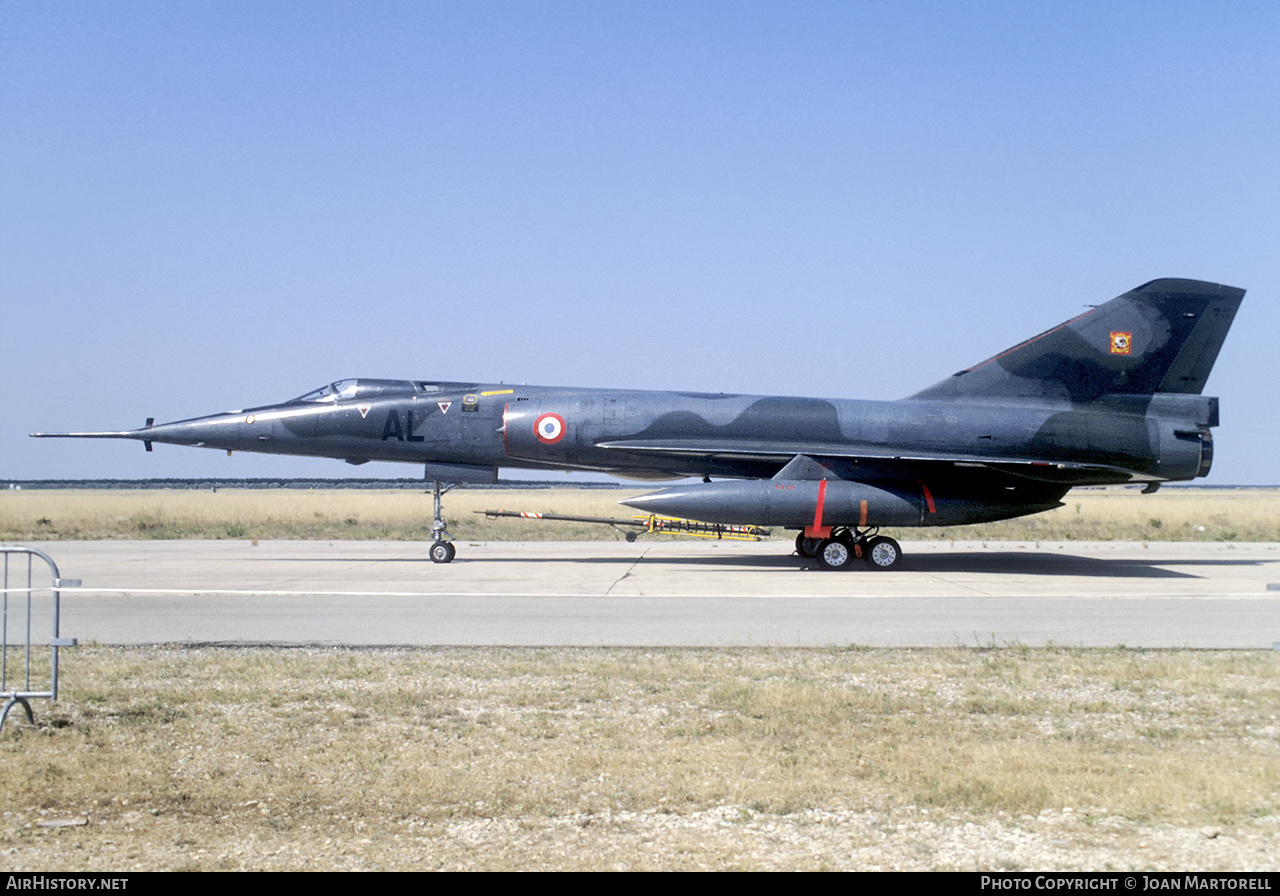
{"x":689,"y":593}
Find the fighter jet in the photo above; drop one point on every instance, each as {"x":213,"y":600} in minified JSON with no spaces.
{"x":1110,"y":396}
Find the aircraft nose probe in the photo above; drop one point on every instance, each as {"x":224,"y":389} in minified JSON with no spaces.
{"x":120,"y":434}
{"x":135,"y":434}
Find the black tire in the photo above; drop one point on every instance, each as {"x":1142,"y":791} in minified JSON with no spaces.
{"x":807,"y":547}
{"x":882,"y":552}
{"x":834,"y":553}
{"x":442,"y":551}
{"x":631,"y":536}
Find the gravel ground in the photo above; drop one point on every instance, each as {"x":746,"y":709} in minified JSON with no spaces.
{"x":722,"y":838}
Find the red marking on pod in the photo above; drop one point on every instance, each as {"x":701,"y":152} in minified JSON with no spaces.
{"x":817,"y":530}
{"x":928,"y":496}
{"x":549,"y":428}
{"x":862,"y":513}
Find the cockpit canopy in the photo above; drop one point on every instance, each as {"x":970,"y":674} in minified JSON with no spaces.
{"x":366,"y":389}
{"x":345,"y":390}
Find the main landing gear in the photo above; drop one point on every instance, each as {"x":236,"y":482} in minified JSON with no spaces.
{"x":442,"y":550}
{"x":839,"y":551}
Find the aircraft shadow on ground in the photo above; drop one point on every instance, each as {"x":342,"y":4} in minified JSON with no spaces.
{"x":1021,"y":563}
{"x":1008,"y":563}
{"x":1025,"y":563}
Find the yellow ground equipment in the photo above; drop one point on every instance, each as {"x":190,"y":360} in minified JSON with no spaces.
{"x":640,"y":525}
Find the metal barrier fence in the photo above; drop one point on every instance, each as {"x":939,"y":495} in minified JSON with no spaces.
{"x":21,"y":603}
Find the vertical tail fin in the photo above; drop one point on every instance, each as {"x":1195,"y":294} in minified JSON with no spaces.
{"x":1161,"y":337}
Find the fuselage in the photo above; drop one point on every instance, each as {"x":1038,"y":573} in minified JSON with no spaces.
{"x":674,"y":434}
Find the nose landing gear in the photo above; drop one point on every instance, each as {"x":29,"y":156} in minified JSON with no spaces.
{"x":442,"y":549}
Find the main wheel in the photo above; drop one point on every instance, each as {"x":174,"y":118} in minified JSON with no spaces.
{"x":833,"y":553}
{"x":807,"y":547}
{"x":882,"y":552}
{"x":442,"y":551}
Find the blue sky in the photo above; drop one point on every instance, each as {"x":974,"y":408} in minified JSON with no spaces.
{"x":207,"y":206}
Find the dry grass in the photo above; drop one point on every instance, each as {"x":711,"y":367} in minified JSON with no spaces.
{"x":1088,"y":514}
{"x":391,"y":515}
{"x":1127,"y":515}
{"x":587,"y":758}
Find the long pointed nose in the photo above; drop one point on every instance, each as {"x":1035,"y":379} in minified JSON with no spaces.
{"x":215,"y":431}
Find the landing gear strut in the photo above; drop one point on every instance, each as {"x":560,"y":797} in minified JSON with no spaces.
{"x":442,"y":550}
{"x":845,"y":544}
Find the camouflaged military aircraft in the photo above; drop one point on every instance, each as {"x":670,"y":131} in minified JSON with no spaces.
{"x":1111,"y":396}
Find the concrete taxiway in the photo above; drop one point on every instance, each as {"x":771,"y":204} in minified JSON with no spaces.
{"x":700,"y":593}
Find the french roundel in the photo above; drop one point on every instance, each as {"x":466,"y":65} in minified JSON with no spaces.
{"x":549,"y":428}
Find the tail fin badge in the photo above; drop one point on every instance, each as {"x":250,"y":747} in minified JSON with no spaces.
{"x":1121,"y":342}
